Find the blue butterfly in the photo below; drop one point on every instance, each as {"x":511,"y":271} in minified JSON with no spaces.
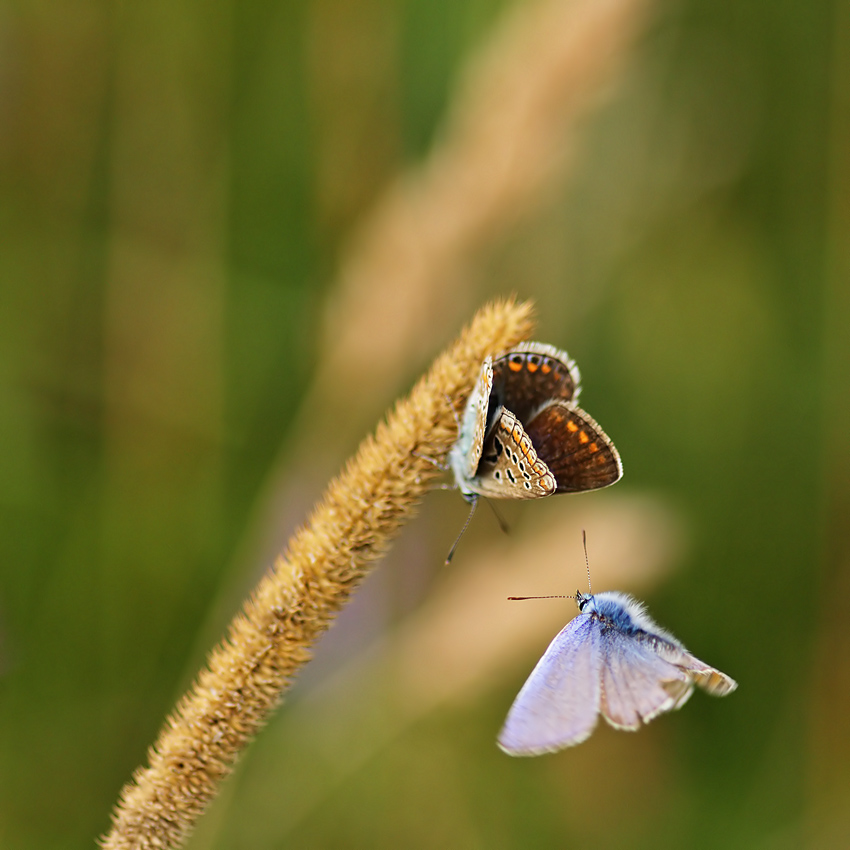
{"x":613,"y":660}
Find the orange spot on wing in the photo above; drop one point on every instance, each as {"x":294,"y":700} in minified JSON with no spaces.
{"x":572,"y":427}
{"x":583,"y":438}
{"x":514,"y":366}
{"x":532,"y":366}
{"x":545,"y":368}
{"x":593,"y":448}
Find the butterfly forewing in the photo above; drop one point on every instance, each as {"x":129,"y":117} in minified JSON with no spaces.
{"x":574,"y":448}
{"x":559,"y":703}
{"x":530,"y":375}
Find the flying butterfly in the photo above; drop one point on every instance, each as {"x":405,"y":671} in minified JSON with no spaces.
{"x":612,"y":659}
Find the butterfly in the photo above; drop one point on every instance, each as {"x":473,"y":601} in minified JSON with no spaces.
{"x":613,"y":660}
{"x":522,"y":435}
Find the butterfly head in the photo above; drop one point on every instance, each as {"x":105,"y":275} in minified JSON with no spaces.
{"x":583,"y":600}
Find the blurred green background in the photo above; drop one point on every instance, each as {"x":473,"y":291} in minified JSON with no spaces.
{"x":182,"y":189}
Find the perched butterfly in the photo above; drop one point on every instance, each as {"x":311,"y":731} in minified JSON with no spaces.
{"x":613,"y":660}
{"x":523,"y":436}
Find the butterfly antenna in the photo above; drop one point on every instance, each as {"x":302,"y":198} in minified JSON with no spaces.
{"x":556,"y":596}
{"x":586,"y":561}
{"x":474,"y":504}
{"x":559,"y":595}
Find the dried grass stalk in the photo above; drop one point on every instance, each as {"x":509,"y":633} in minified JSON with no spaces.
{"x":348,"y":531}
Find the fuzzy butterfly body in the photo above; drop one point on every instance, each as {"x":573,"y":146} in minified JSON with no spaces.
{"x":613,"y":660}
{"x":522,"y":435}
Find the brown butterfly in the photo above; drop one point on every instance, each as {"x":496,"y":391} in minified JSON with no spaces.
{"x":524,"y":437}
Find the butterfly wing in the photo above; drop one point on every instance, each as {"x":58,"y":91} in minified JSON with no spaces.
{"x":708,"y":678}
{"x":466,"y":451}
{"x":531,"y":374}
{"x":638,"y":684}
{"x":574,"y":448}
{"x":509,"y":466}
{"x":559,"y":703}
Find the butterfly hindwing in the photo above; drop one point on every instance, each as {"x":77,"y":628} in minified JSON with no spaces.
{"x":708,"y":678}
{"x":510,"y":467}
{"x":637,"y":683}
